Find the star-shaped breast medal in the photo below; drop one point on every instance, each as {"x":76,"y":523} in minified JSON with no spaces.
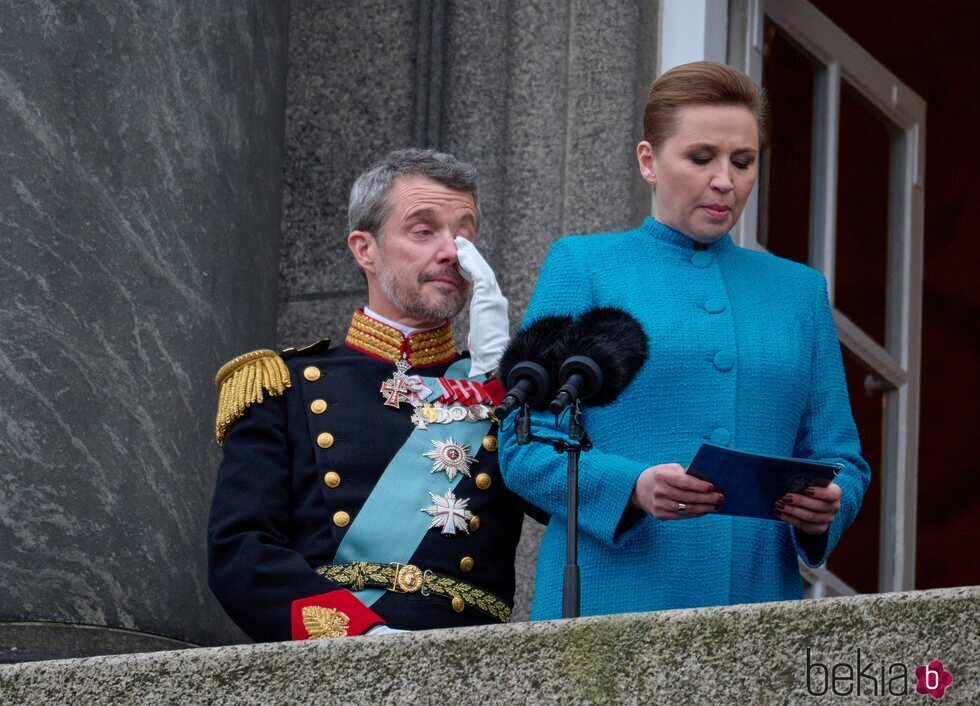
{"x":450,"y":457}
{"x":449,"y":513}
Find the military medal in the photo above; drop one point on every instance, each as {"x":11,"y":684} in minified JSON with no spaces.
{"x":452,"y":401}
{"x":477,"y":413}
{"x":449,"y":513}
{"x":418,"y":419}
{"x":450,"y":457}
{"x":396,"y":389}
{"x":438,"y":413}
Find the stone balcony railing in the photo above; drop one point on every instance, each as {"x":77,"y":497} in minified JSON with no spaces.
{"x":863,"y":649}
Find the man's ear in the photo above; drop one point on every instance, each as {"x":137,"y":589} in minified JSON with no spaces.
{"x":648,"y":162}
{"x":364,"y":247}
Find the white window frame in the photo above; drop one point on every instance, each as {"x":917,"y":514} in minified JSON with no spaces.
{"x":894,"y":367}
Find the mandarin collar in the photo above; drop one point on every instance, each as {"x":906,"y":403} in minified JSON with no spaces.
{"x":379,"y":340}
{"x":665,"y":234}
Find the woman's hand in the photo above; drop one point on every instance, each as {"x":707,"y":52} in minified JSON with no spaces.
{"x":811,"y":512}
{"x":668,"y":493}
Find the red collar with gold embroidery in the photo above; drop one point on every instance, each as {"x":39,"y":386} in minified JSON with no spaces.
{"x":379,"y":340}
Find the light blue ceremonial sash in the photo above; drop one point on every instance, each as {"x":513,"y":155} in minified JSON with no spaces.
{"x":391,"y":525}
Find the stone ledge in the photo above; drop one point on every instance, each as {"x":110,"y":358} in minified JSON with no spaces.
{"x":34,"y":641}
{"x":738,"y":654}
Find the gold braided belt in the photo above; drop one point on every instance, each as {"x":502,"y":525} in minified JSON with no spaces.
{"x":406,"y":578}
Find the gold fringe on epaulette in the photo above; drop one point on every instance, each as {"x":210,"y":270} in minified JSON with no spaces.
{"x":241,"y":382}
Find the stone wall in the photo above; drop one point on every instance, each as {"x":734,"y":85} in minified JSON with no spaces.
{"x":140,"y":200}
{"x":741,"y":654}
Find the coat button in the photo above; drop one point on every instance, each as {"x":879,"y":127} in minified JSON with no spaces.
{"x":318,"y":406}
{"x":466,"y":564}
{"x":324,"y":440}
{"x":458,"y":604}
{"x":490,"y":443}
{"x":311,"y":373}
{"x":483,"y":481}
{"x":721,"y":437}
{"x":714,"y":306}
{"x":701,"y":258}
{"x":474,"y":523}
{"x":331,"y":479}
{"x":724,"y":360}
{"x":341,"y":518}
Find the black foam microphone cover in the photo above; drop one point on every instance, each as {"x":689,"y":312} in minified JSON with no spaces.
{"x":615,"y":340}
{"x":543,"y":342}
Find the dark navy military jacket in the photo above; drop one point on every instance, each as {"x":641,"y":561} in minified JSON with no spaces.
{"x":274,"y":515}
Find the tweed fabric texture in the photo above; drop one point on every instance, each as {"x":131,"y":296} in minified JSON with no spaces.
{"x":742,"y":353}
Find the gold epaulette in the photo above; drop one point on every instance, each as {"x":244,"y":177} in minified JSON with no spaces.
{"x":241,"y":382}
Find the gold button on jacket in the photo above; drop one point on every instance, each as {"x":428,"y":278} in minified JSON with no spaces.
{"x":458,"y":604}
{"x":311,"y":373}
{"x":466,"y":563}
{"x":490,"y":443}
{"x":341,"y":518}
{"x":474,"y":523}
{"x":325,"y":440}
{"x":483,"y":481}
{"x":318,"y":406}
{"x":331,"y":479}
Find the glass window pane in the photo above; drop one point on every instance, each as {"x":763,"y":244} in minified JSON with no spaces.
{"x":784,"y":180}
{"x":862,"y":215}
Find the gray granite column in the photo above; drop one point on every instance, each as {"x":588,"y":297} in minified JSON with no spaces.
{"x":547,"y":99}
{"x":354,"y":92}
{"x":544,"y":97}
{"x":140,"y":196}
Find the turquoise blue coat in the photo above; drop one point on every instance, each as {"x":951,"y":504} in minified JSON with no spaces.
{"x":743,"y":353}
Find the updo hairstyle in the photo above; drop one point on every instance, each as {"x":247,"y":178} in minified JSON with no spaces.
{"x":698,"y":83}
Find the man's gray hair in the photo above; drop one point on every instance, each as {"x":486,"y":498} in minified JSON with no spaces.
{"x":368,"y":206}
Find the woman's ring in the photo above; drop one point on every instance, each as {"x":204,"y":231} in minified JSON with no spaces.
{"x":681,"y":509}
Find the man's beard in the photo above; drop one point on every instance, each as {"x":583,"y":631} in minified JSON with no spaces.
{"x":410,"y":299}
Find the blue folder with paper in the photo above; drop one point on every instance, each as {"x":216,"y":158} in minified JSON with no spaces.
{"x":752,"y":483}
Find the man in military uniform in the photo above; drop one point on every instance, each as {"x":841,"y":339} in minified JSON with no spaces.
{"x":359,"y":489}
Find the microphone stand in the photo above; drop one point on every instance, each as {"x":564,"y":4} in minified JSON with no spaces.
{"x":578,"y":441}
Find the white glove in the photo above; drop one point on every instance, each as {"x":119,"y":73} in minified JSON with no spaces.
{"x":489,"y":324}
{"x":383,"y":630}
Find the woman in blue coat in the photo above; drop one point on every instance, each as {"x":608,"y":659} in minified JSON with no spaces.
{"x":743,"y":353}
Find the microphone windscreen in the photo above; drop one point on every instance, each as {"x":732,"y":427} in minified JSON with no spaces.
{"x":615,"y":340}
{"x":543,"y":342}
